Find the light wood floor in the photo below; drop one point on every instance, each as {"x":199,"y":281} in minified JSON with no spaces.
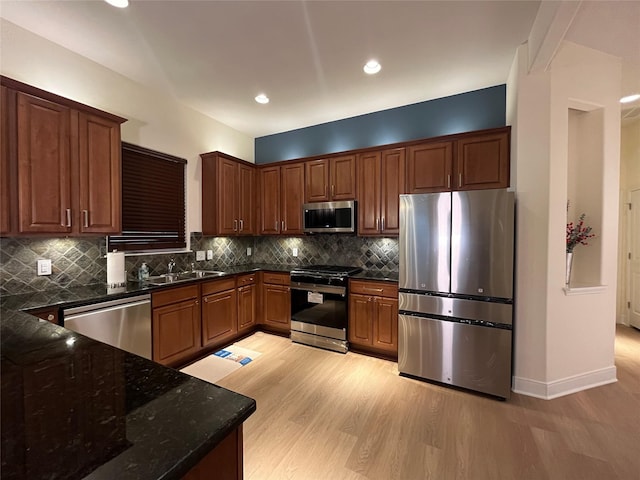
{"x":323,"y":415}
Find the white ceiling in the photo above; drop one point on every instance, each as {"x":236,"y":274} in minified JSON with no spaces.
{"x":307,"y":56}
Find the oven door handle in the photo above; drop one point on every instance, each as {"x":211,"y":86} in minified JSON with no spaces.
{"x":310,"y":287}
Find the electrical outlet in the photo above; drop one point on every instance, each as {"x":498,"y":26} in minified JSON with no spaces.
{"x":44,"y":267}
{"x":209,"y":254}
{"x":200,"y":255}
{"x":294,"y":250}
{"x":248,"y":251}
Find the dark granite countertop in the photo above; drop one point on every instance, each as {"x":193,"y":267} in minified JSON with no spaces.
{"x":390,"y":276}
{"x":76,"y":408}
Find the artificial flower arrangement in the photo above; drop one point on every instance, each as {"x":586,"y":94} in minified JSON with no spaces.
{"x":578,"y":234}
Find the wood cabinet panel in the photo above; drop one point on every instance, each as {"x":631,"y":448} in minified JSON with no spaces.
{"x":429,"y":167}
{"x":369,"y":172}
{"x":219,"y":317}
{"x":100,"y":208}
{"x":224,"y":461}
{"x":276,"y":304}
{"x":392,"y":185}
{"x":176,"y":331}
{"x":380,"y":289}
{"x":228,"y":195}
{"x":331,"y":179}
{"x":343,"y":178}
{"x":360,"y":320}
{"x":44,"y":166}
{"x":482,"y":162}
{"x":317,"y":181}
{"x":292,"y":198}
{"x":269,"y":200}
{"x":247,"y":301}
{"x":385,"y":324}
{"x":6,"y":200}
{"x":216,"y":286}
{"x":276,"y":278}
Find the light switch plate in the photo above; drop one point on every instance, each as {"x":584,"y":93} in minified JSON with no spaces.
{"x":209,"y":254}
{"x":200,"y":255}
{"x":44,"y":267}
{"x":248,"y":251}
{"x":295,"y":251}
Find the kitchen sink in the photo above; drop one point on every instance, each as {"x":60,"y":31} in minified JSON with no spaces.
{"x":168,"y":278}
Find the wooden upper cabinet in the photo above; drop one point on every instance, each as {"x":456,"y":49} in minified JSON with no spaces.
{"x":331,"y":179}
{"x":228,"y":195}
{"x":292,"y":184}
{"x":482,"y":161}
{"x":44,"y":166}
{"x":380,"y":182}
{"x":269,"y":200}
{"x":470,"y":162}
{"x":6,"y":200}
{"x":317,"y":181}
{"x":100,"y":160}
{"x":429,"y":167}
{"x":63,"y":161}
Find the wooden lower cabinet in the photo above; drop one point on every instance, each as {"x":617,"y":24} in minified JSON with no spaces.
{"x":373,"y":316}
{"x":219,"y":311}
{"x":276,"y":301}
{"x":247,"y":302}
{"x":176,"y":324}
{"x":223,"y":462}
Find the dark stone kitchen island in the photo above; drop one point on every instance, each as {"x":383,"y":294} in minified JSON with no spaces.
{"x":76,"y":408}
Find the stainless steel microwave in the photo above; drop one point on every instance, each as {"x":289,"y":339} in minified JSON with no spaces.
{"x":329,"y":217}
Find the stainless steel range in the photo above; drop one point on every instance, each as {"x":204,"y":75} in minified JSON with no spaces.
{"x":319,"y":306}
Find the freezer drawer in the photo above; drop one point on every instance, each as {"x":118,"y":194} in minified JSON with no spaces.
{"x":468,"y":356}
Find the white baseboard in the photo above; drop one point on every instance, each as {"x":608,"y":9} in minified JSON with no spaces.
{"x":565,"y":386}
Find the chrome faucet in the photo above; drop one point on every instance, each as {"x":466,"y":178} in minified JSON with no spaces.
{"x":171,"y":266}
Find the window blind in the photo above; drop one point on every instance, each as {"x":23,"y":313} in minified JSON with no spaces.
{"x":153,"y":201}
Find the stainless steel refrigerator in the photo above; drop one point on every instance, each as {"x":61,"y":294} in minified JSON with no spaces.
{"x":456,"y":288}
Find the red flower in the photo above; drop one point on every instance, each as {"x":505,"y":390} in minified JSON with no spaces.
{"x":577,"y":234}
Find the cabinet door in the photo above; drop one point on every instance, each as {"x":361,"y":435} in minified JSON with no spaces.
{"x":385,"y":324}
{"x":219,"y":317}
{"x":277,"y":306}
{"x":317,"y":181}
{"x":227,"y":197}
{"x":246,"y":200}
{"x":6,"y":203}
{"x":44,"y":180}
{"x":360,"y":320}
{"x":343,"y":178}
{"x":176,"y":331}
{"x":368,"y":167}
{"x":482,"y":162}
{"x":392,"y":185}
{"x":269,"y":200}
{"x":292,"y":198}
{"x":246,"y":307}
{"x":429,"y":167}
{"x":99,"y":166}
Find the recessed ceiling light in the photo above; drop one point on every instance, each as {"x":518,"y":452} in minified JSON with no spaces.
{"x":262,"y":98}
{"x":630,"y":98}
{"x":118,"y":3}
{"x":372,"y":67}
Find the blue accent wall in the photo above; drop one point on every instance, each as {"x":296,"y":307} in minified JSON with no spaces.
{"x":460,"y":113}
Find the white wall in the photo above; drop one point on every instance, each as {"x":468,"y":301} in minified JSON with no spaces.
{"x":563,"y":343}
{"x":155,"y":120}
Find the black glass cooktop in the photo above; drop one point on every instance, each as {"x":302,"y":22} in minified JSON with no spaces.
{"x":329,"y":269}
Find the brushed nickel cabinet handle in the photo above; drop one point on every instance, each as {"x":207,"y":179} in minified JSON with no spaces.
{"x":449,"y":181}
{"x":85,"y":214}
{"x":373,"y":289}
{"x":241,"y":225}
{"x":235,"y":225}
{"x":68,"y":217}
{"x":276,"y":226}
{"x":460,"y":179}
{"x":333,"y":190}
{"x":382,"y":224}
{"x":283,"y":226}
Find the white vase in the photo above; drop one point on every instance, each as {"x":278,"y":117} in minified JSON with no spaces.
{"x":567,"y":279}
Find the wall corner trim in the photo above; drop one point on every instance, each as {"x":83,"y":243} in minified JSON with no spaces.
{"x":564,"y":386}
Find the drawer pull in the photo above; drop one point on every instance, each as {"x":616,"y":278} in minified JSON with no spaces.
{"x":374,"y":289}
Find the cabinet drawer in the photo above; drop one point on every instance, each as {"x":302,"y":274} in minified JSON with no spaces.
{"x":218,"y":286}
{"x":174,"y":295}
{"x":247,"y":279}
{"x":381,"y":289}
{"x":276,"y":278}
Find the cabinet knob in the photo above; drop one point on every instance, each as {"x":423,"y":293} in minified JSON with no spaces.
{"x":50,"y":317}
{"x":196,"y":302}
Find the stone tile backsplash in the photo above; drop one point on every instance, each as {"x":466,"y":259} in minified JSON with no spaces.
{"x":81,"y":261}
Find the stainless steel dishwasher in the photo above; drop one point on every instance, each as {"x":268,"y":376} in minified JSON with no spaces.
{"x":124,"y":323}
